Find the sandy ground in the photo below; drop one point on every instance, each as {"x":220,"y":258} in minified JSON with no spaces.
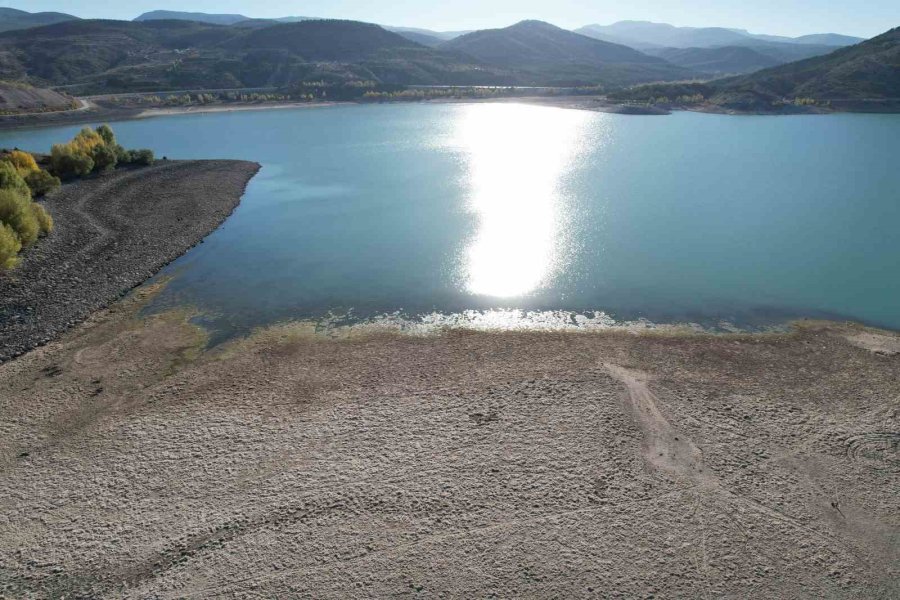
{"x":136,"y":464}
{"x":218,"y":108}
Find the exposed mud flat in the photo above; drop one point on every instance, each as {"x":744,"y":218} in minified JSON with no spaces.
{"x":137,"y":464}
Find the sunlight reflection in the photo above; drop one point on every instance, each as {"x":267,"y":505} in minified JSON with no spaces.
{"x":517,"y":157}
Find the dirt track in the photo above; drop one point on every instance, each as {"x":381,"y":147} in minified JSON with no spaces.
{"x":111,"y":233}
{"x":134,"y":464}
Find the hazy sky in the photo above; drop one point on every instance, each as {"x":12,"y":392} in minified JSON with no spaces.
{"x":864,"y":18}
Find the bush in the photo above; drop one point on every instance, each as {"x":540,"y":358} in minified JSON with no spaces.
{"x":143,"y":157}
{"x":41,"y":182}
{"x":104,"y":158}
{"x":86,"y":140}
{"x":22,"y":161}
{"x":123,"y":156}
{"x":67,"y":161}
{"x":106,"y":134}
{"x":9,"y":247}
{"x":16,"y":211}
{"x":11,"y":180}
{"x":45,"y":221}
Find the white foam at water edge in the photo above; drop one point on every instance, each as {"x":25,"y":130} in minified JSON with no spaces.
{"x":501,"y":320}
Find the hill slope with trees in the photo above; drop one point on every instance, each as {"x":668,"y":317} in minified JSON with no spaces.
{"x":870,"y":69}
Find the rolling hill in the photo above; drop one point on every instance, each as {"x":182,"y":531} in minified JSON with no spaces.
{"x":550,"y":55}
{"x":346,"y":41}
{"x":74,"y":51}
{"x":151,"y":55}
{"x":12,"y":19}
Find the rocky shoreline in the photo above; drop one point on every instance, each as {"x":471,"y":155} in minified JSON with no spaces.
{"x":112,"y":233}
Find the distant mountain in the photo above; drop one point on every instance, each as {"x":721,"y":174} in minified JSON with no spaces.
{"x":420,"y":38}
{"x":735,"y":60}
{"x":828,"y":39}
{"x":645,"y":34}
{"x":213,"y":19}
{"x":724,"y":60}
{"x":12,"y":19}
{"x":556,"y":56}
{"x":869,"y":70}
{"x":441,"y":35}
{"x":174,"y":15}
{"x":787,"y":52}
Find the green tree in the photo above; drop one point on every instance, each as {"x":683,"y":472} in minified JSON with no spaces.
{"x":106,"y":133}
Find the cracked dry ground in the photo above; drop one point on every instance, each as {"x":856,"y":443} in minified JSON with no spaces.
{"x":135,"y":464}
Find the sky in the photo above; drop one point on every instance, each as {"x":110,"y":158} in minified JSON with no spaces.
{"x":864,"y":18}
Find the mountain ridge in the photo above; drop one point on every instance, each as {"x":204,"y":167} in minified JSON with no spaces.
{"x":648,"y":34}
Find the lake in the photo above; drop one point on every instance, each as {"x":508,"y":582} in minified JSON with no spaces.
{"x":512,"y":215}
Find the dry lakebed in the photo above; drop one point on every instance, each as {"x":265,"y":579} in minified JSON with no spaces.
{"x":138,"y":464}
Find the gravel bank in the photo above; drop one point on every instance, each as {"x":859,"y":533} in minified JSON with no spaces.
{"x":111,"y":234}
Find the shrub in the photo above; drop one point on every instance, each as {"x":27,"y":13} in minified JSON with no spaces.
{"x":22,"y":161}
{"x":67,"y":161}
{"x":104,"y":158}
{"x":45,"y":221}
{"x":9,"y":247}
{"x":143,"y":157}
{"x":41,"y":182}
{"x":106,"y":134}
{"x":11,"y":180}
{"x":16,"y":211}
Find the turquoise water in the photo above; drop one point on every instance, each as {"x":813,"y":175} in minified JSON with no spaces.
{"x":420,"y":209}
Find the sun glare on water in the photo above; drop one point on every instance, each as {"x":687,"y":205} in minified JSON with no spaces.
{"x":517,"y":156}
